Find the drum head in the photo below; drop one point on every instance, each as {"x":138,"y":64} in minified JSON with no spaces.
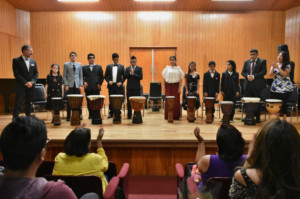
{"x":94,"y":97}
{"x":209,"y":98}
{"x":74,"y":95}
{"x":116,"y":96}
{"x":251,"y":99}
{"x":56,"y":98}
{"x":137,"y":97}
{"x":226,"y":102}
{"x":191,"y":97}
{"x":274,"y":100}
{"x":170,"y":97}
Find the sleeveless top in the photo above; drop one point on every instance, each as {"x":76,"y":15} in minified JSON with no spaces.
{"x":240,"y":191}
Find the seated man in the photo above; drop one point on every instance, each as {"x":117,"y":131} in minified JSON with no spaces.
{"x":23,"y":146}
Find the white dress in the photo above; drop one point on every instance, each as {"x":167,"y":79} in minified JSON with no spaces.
{"x":172,"y":74}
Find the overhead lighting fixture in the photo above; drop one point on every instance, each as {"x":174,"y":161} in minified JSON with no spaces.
{"x":94,"y":16}
{"x":155,"y":16}
{"x":231,"y":0}
{"x":155,"y":0}
{"x":81,"y":1}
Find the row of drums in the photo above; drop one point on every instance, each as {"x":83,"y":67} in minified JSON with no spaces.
{"x":137,"y":103}
{"x":250,"y":105}
{"x":96,"y":103}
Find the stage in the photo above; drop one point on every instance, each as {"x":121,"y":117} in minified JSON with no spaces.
{"x":151,"y":148}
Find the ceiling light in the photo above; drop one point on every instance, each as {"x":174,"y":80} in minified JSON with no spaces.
{"x":94,"y":16}
{"x":155,"y":0}
{"x":82,"y":1}
{"x":231,"y":0}
{"x":155,"y":16}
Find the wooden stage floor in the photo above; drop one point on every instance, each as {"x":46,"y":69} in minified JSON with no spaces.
{"x":149,"y":146}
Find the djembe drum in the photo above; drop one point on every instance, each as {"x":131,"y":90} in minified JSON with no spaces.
{"x":56,"y":105}
{"x":137,"y":104}
{"x":226,"y":107}
{"x":75,"y":102}
{"x":250,"y":105}
{"x":191,"y":107}
{"x":273,"y":106}
{"x":96,"y":104}
{"x":116,"y":102}
{"x":209,"y":105}
{"x":170,"y":103}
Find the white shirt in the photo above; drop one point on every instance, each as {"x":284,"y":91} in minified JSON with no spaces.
{"x":230,"y":73}
{"x":114,"y":73}
{"x":251,"y":67}
{"x":26,"y":62}
{"x":212,"y":74}
{"x":91,"y":67}
{"x":172,"y":74}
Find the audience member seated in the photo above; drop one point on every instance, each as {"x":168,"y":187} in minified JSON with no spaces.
{"x":272,"y":169}
{"x":77,"y":160}
{"x":23,"y":144}
{"x":229,"y":157}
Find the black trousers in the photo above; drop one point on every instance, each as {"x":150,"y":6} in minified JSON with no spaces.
{"x":230,"y":96}
{"x":284,"y":97}
{"x":130,"y":93}
{"x":21,"y":92}
{"x":87,"y":93}
{"x":251,"y":91}
{"x":73,"y":90}
{"x":114,"y":90}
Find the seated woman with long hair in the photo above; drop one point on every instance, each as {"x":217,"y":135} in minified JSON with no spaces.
{"x":77,"y":160}
{"x":272,"y":169}
{"x":229,"y":156}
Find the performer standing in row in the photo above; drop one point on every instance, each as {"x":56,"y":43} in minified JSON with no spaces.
{"x":211,"y":82}
{"x":26,"y":74}
{"x":254,"y":71}
{"x":115,"y":77}
{"x":282,"y":87}
{"x":172,"y":84}
{"x":54,"y":87}
{"x":93,"y":79}
{"x":134,"y":75}
{"x":73,"y":79}
{"x":230,"y":85}
{"x":192,"y":85}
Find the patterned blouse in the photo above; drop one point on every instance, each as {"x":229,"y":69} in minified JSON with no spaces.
{"x":281,"y":84}
{"x":240,"y":191}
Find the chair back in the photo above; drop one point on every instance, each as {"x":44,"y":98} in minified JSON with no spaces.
{"x":123,"y":175}
{"x":111,"y":171}
{"x":141,"y":90}
{"x":155,"y":89}
{"x":81,"y":184}
{"x":38,"y":93}
{"x":223,"y":184}
{"x":293,"y":98}
{"x":45,"y":169}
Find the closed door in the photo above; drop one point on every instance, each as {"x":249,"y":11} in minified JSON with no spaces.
{"x":153,"y":61}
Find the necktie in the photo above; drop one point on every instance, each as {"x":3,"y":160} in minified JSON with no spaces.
{"x":74,"y":67}
{"x":26,"y":59}
{"x":252,"y":68}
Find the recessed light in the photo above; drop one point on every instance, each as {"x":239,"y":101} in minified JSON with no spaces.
{"x":82,"y":1}
{"x":231,"y":0}
{"x":155,"y":0}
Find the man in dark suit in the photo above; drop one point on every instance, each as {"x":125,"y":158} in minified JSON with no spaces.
{"x":254,"y":71}
{"x":211,"y":82}
{"x":134,"y":75}
{"x":115,"y":77}
{"x":26,"y":74}
{"x":93,"y":79}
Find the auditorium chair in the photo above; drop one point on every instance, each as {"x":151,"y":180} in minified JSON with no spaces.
{"x":123,"y":175}
{"x":293,"y":102}
{"x":39,"y":101}
{"x":155,"y":95}
{"x":88,"y":184}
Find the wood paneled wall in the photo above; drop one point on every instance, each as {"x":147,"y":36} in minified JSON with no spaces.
{"x":14,"y":32}
{"x":292,"y":37}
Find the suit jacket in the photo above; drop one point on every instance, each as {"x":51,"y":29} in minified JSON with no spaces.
{"x":230,"y":82}
{"x":260,"y":70}
{"x":109,"y":75}
{"x":211,"y":86}
{"x":133,"y":81}
{"x":21,"y":72}
{"x":92,"y":78}
{"x":70,"y":76}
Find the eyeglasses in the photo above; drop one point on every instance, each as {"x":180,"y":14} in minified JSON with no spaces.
{"x":47,"y":141}
{"x":91,"y":57}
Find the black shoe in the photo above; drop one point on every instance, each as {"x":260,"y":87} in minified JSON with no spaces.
{"x":68,"y":119}
{"x":81,"y":118}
